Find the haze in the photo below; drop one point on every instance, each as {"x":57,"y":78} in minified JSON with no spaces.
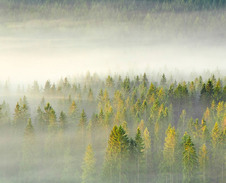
{"x":49,"y":49}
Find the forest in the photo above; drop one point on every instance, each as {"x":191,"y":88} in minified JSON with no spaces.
{"x":120,"y":128}
{"x":112,"y":91}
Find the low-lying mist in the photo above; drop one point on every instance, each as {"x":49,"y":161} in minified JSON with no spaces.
{"x":139,"y":39}
{"x":112,"y":91}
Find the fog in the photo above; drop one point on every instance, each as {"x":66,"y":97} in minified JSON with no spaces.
{"x":112,"y":92}
{"x":49,"y":49}
{"x":45,"y":58}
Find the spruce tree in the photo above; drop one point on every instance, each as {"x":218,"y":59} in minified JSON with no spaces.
{"x":63,"y":120}
{"x":116,"y":156}
{"x":73,"y":114}
{"x":190,"y":161}
{"x":82,"y":124}
{"x":169,"y":155}
{"x":215,"y":136}
{"x":140,"y":154}
{"x":203,"y":162}
{"x":89,"y":166}
{"x":147,"y":151}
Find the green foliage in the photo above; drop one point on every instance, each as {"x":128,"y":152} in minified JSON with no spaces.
{"x":190,"y":160}
{"x":88,"y":166}
{"x":83,"y":120}
{"x":154,"y":118}
{"x":116,"y":155}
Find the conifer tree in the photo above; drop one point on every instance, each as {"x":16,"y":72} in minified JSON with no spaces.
{"x":190,"y":161}
{"x":144,"y":80}
{"x":82,"y":124}
{"x":151,"y":90}
{"x":132,"y":163}
{"x":116,"y":156}
{"x":147,"y":142}
{"x":215,"y":136}
{"x":147,"y":151}
{"x":21,"y":114}
{"x":73,"y":114}
{"x":163,"y":80}
{"x":109,"y":82}
{"x":89,"y":166}
{"x":63,"y":120}
{"x":49,"y":117}
{"x":169,"y":152}
{"x":203,"y":162}
{"x":17,"y":114}
{"x":140,"y":153}
{"x":47,"y":87}
{"x":218,"y":91}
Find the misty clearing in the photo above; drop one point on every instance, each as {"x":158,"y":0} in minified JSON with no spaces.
{"x":112,"y":91}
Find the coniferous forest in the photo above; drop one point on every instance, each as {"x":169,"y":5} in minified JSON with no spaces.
{"x":115,"y":129}
{"x":112,"y":91}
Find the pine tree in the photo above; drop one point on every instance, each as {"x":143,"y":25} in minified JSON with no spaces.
{"x":140,"y":153}
{"x":144,"y":80}
{"x":216,"y":152}
{"x":63,"y":120}
{"x":17,"y":114}
{"x":169,"y":152}
{"x":49,"y":117}
{"x":101,"y":118}
{"x":218,"y":91}
{"x":215,"y":136}
{"x":209,"y":88}
{"x":132,"y":163}
{"x":83,"y":120}
{"x":21,"y":114}
{"x":151,"y":91}
{"x":147,"y":151}
{"x":147,"y":142}
{"x":82,"y":125}
{"x":47,"y":87}
{"x":109,"y":82}
{"x":116,"y":156}
{"x":89,"y":166}
{"x":163,"y":80}
{"x":190,"y":161}
{"x":203,"y":162}
{"x":73,"y":113}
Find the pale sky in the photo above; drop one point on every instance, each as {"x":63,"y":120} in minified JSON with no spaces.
{"x":26,"y":60}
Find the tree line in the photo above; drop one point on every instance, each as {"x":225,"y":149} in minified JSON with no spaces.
{"x":117,"y":129}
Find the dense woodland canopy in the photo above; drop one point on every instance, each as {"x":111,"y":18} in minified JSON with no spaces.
{"x":117,"y":129}
{"x":122,"y":128}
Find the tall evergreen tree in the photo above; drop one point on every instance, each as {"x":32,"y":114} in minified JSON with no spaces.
{"x":203,"y":162}
{"x":190,"y":161}
{"x":116,"y":156}
{"x":169,"y":155}
{"x":73,"y":112}
{"x":139,"y":155}
{"x":63,"y":120}
{"x":89,"y":166}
